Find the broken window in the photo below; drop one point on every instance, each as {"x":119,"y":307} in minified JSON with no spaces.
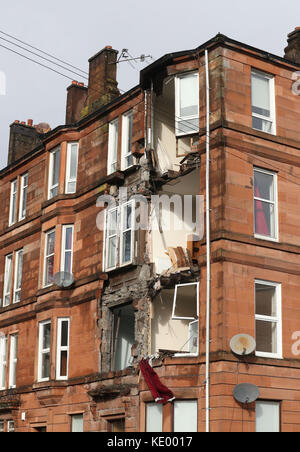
{"x":123,"y":337}
{"x":174,"y":322}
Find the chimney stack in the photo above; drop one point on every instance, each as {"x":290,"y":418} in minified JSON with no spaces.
{"x":76,"y":101}
{"x":292,"y":51}
{"x":103,"y":86}
{"x":23,"y":139}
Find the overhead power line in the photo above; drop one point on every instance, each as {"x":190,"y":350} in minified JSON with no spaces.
{"x":42,"y":51}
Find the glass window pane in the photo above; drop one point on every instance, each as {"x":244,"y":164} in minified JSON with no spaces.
{"x":264,"y":186}
{"x":49,"y":270}
{"x":46,"y":336}
{"x":112,"y":222}
{"x":77,"y":423}
{"x":69,"y":238}
{"x":264,"y":218}
{"x":266,"y":336}
{"x":265,"y":300}
{"x":112,"y":252}
{"x":45,"y":365}
{"x":267,"y":417}
{"x":73,"y":161}
{"x":64,"y":333}
{"x":186,"y":301}
{"x":56,"y":165}
{"x":118,"y":426}
{"x":154,"y":418}
{"x":50,"y":243}
{"x":63,"y":363}
{"x":189,"y":96}
{"x":126,"y":247}
{"x":260,"y":95}
{"x":186,"y":416}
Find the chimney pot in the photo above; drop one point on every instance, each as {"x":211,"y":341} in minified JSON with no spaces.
{"x":30,"y":122}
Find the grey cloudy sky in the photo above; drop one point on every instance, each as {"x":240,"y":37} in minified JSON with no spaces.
{"x":75,"y":30}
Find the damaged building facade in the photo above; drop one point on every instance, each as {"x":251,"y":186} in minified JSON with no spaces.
{"x":103,"y":249}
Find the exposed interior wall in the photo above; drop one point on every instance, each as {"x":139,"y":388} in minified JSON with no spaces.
{"x":169,"y":150}
{"x":173,"y":230}
{"x":167,"y":334}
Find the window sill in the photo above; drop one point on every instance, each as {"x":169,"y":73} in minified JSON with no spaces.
{"x":268,"y":355}
{"x":269,"y":239}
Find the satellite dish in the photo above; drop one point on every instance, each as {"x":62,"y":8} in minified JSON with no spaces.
{"x":243,"y":345}
{"x":246,"y":393}
{"x":63,"y":279}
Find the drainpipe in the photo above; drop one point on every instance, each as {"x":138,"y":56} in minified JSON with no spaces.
{"x":208,"y":278}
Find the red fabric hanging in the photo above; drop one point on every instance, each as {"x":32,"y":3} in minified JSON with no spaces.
{"x":160,"y":392}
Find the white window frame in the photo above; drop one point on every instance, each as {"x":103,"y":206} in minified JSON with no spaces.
{"x":62,"y":348}
{"x":272,"y":319}
{"x":2,"y":425}
{"x":23,"y":196}
{"x":113,"y":141}
{"x":272,"y":118}
{"x":120,"y":234}
{"x":3,"y":361}
{"x":191,"y":129}
{"x":64,"y":250}
{"x":9,"y":257}
{"x":126,"y":140}
{"x":13,"y":359}
{"x":43,"y":351}
{"x":193,"y":409}
{"x":13,"y":203}
{"x":192,"y":319}
{"x":69,"y":179}
{"x":123,"y":230}
{"x":274,"y":203}
{"x":17,"y":290}
{"x":52,"y":186}
{"x":109,"y":237}
{"x":10,"y":426}
{"x":47,"y":256}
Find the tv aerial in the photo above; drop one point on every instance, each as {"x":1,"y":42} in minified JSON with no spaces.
{"x":246,"y":393}
{"x":64,"y":279}
{"x":126,"y":57}
{"x":243,"y":345}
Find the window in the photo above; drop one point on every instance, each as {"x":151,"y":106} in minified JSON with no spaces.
{"x":13,"y":203}
{"x":44,"y":351}
{"x":186,"y":310}
{"x":62,"y":359}
{"x":18,"y":276}
{"x":154,"y":418}
{"x":113,"y":137}
{"x":265,"y":204}
{"x":187,"y":104}
{"x":54,"y":168}
{"x":77,"y":423}
{"x":119,"y":236}
{"x":7,"y":279}
{"x":67,"y":248}
{"x":185,"y":416}
{"x":3,"y":361}
{"x":267,"y":417}
{"x":23,"y":197}
{"x":123,"y":337}
{"x":175,"y":321}
{"x":111,"y":238}
{"x":127,"y":124}
{"x":116,"y":425}
{"x":1,"y":426}
{"x":268,"y":319}
{"x":10,"y":426}
{"x":127,"y":236}
{"x":49,"y":258}
{"x":72,"y":164}
{"x":13,"y":358}
{"x":263,"y":102}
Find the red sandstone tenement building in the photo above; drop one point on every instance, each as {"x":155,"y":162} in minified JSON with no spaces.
{"x":69,"y":356}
